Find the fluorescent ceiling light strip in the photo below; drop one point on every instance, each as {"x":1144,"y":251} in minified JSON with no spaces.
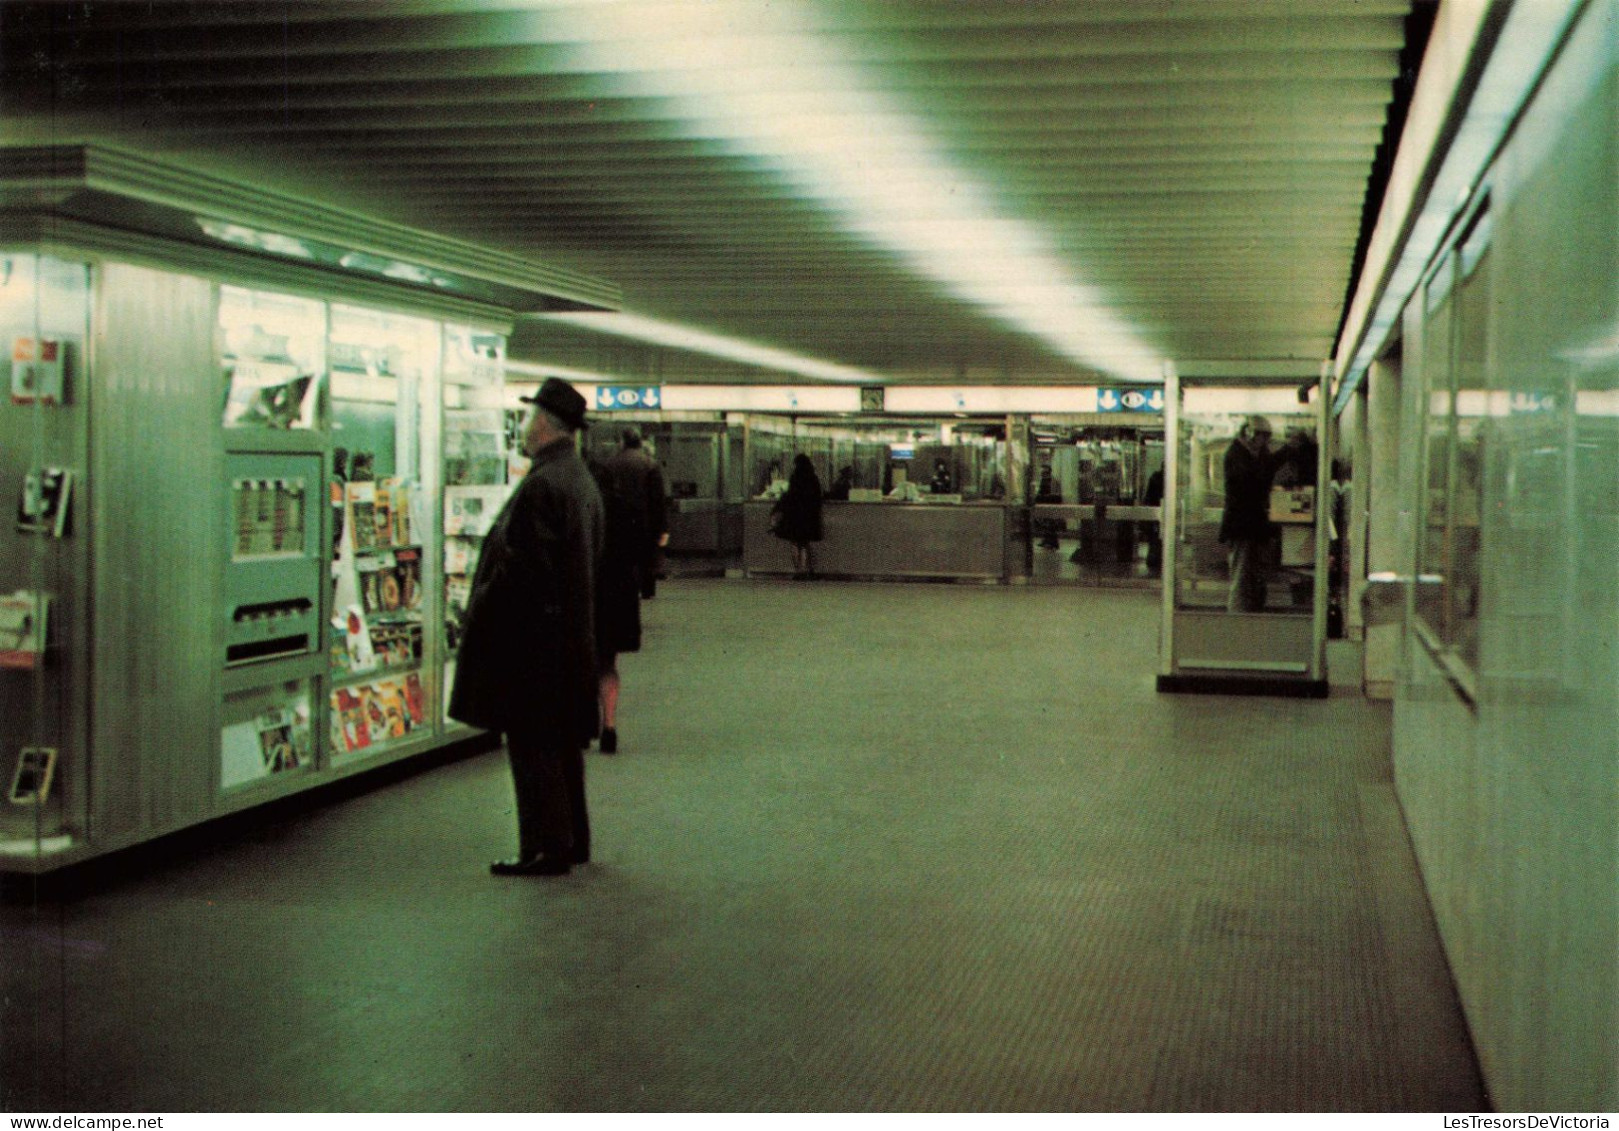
{"x":541,"y":369}
{"x":676,"y":336}
{"x":873,"y":167}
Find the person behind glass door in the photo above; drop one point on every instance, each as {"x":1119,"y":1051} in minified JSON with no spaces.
{"x":1245,"y":524}
{"x":797,"y":515}
{"x":527,"y":661}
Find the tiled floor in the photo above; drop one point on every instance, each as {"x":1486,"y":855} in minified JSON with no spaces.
{"x":867,"y":847}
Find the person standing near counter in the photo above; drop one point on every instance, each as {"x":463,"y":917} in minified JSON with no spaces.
{"x":796,"y":517}
{"x":841,"y":486}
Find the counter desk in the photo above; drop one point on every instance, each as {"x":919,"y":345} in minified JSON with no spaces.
{"x":888,"y":539}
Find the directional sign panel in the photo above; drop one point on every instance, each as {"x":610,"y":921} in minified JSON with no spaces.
{"x":1522,"y":403}
{"x":1129,"y":400}
{"x":610,"y":398}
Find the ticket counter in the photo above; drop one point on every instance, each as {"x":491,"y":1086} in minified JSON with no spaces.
{"x":888,"y":539}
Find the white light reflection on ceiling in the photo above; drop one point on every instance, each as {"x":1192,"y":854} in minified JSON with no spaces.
{"x":743,"y":73}
{"x":670,"y":334}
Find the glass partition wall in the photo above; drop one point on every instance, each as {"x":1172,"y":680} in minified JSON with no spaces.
{"x":894,"y":458}
{"x":1081,"y":492}
{"x":1094,"y":492}
{"x":1245,"y":580}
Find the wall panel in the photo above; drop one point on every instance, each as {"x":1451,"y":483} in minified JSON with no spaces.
{"x":1513,"y":803}
{"x":157,"y":506}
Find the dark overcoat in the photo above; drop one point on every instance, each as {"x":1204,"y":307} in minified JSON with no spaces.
{"x":1246,"y":517}
{"x":637,"y":480}
{"x":528,"y":650}
{"x":800,"y":508}
{"x":618,"y":580}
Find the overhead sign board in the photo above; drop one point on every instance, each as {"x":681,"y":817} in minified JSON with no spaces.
{"x":1129,"y":400}
{"x":616,"y":398}
{"x":1522,"y":403}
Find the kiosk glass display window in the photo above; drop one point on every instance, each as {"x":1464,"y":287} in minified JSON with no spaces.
{"x":44,"y":324}
{"x":274,"y":359}
{"x":380,"y":366}
{"x":267,"y":733}
{"x":482,"y":436}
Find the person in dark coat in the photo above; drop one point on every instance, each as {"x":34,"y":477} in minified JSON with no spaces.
{"x":797,"y":514}
{"x":638,"y":481}
{"x":841,"y":486}
{"x":527,"y":661}
{"x":618,"y":586}
{"x":1154,"y":531}
{"x":1245,"y":523}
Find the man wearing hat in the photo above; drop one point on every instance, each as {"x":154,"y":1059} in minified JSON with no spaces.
{"x":527,"y":661}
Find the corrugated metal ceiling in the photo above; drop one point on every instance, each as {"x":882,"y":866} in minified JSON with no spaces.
{"x":982,"y":190}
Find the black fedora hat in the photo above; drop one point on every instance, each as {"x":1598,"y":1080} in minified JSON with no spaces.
{"x":562,"y":401}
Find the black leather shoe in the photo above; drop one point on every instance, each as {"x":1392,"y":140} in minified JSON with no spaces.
{"x":609,"y":742}
{"x":540,"y":865}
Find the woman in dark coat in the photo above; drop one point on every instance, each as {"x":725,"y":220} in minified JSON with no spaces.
{"x":618,"y":596}
{"x":797,"y":515}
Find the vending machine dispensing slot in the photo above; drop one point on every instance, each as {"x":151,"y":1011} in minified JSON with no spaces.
{"x":273,"y":581}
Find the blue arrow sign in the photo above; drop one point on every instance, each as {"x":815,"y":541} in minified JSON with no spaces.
{"x":1129,"y":400}
{"x":1533,"y":402}
{"x":616,"y":398}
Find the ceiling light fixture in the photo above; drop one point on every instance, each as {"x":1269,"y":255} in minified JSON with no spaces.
{"x":749,"y":75}
{"x":567,"y":373}
{"x":671,"y":334}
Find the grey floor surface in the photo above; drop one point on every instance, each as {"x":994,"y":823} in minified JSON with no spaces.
{"x":866,"y":848}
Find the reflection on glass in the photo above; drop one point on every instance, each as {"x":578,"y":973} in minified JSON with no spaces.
{"x":1081,"y":476}
{"x":274,"y":358}
{"x":1247,"y":517}
{"x":1467,"y":486}
{"x":1456,"y":427}
{"x":1433,"y":543}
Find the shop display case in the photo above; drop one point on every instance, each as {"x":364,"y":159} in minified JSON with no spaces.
{"x":381,"y":367}
{"x":45,"y":311}
{"x":237,"y":467}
